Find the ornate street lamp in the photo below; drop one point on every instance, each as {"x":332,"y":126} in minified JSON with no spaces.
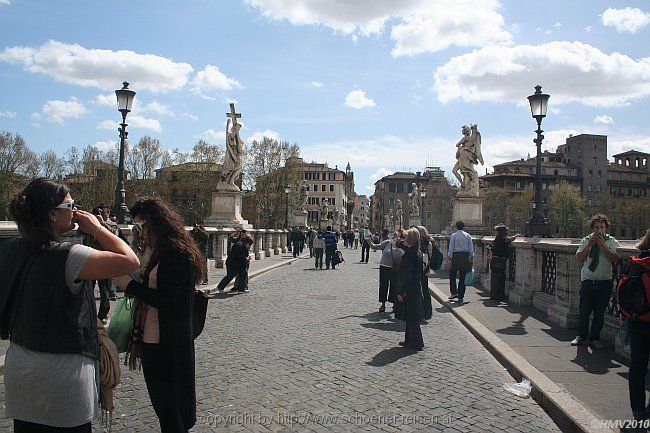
{"x":125,"y":98}
{"x":538,"y":224}
{"x":423,"y":194}
{"x":287,"y":190}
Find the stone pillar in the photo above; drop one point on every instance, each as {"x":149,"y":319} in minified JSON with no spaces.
{"x":277,"y":242}
{"x":283,"y":240}
{"x":220,"y":248}
{"x":258,"y":246}
{"x":528,"y":274}
{"x":564,"y":311}
{"x":268,"y":242}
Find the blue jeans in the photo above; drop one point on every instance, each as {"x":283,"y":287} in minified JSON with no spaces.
{"x":594,"y":297}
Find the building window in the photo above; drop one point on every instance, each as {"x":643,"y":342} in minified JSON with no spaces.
{"x":589,"y":188}
{"x":598,"y":188}
{"x":600,"y":173}
{"x":580,"y":160}
{"x":589,"y":202}
{"x":333,"y":201}
{"x":428,"y":214}
{"x":331,"y":187}
{"x":400,"y":187}
{"x":623,"y":234}
{"x":595,"y":148}
{"x":544,"y":185}
{"x":322,"y":187}
{"x":543,"y":171}
{"x":391,"y":187}
{"x":591,"y":173}
{"x":555,"y":172}
{"x":315,"y":187}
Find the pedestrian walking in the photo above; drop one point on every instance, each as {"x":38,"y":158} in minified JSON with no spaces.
{"x":356,"y":239}
{"x":460,"y":257}
{"x":639,"y":335}
{"x":498,"y":259}
{"x":301,"y":240}
{"x":311,"y":234}
{"x":365,"y":245}
{"x":162,"y":313}
{"x":409,"y":298}
{"x":319,"y":249}
{"x":330,"y":247}
{"x":596,"y":251}
{"x":201,"y":238}
{"x":237,"y":262}
{"x":426,"y":248}
{"x":295,"y":241}
{"x":391,"y":257}
{"x":47,"y":310}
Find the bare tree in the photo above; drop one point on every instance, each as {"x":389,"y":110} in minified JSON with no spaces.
{"x":143,"y":159}
{"x":15,"y":156}
{"x":51,"y":165}
{"x":73,"y":164}
{"x":206,"y":152}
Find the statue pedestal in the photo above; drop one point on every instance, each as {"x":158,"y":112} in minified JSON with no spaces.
{"x":298,"y":220}
{"x":415,"y":220}
{"x":226,"y":210}
{"x":470,"y":211}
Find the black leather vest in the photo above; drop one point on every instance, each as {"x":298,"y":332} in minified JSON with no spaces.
{"x":39,"y":311}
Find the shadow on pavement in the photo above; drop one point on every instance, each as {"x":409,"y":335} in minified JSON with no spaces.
{"x":596,"y":362}
{"x":389,"y":356}
{"x":394,"y":326}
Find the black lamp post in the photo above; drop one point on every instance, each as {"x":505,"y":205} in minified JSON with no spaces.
{"x":287,"y":190}
{"x":423,"y":194}
{"x":538,"y":224}
{"x":125,"y":98}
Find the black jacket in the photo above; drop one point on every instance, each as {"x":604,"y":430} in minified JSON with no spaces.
{"x":173,"y":298}
{"x":410,"y":285}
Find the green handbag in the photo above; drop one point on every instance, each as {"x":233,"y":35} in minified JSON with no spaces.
{"x":121,"y":326}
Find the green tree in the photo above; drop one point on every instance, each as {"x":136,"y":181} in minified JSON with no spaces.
{"x":519,"y":210}
{"x":567,"y":210}
{"x":495,"y":207}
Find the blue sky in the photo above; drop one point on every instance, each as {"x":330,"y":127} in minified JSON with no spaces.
{"x":384,"y":84}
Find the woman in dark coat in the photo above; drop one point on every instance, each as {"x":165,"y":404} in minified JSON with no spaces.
{"x":500,"y":253}
{"x":163,"y":315}
{"x":426,"y":248}
{"x":409,"y":297}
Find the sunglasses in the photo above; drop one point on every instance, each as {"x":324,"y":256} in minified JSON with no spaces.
{"x":69,"y":205}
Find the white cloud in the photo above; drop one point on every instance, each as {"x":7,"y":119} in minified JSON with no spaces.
{"x":258,"y":136}
{"x":211,"y":79}
{"x":622,"y":143}
{"x":133,"y":121}
{"x":105,"y":69}
{"x":8,"y":114}
{"x":625,"y":20}
{"x":569,"y":72}
{"x":557,"y":24}
{"x":588,"y":28}
{"x":58,"y":111}
{"x":419,"y":25}
{"x":316,"y":84}
{"x":105,"y":146}
{"x":106,"y":100}
{"x":190,"y":116}
{"x":5,"y":2}
{"x":381,"y":173}
{"x":357,"y":99}
{"x":604,"y":119}
{"x":214,"y":136}
{"x":159,"y":108}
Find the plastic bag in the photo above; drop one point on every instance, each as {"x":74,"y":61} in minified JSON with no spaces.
{"x":121,"y":326}
{"x":521,"y":389}
{"x":469,"y":277}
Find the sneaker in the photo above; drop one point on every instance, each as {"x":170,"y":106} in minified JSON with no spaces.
{"x":460,"y":300}
{"x":578,"y":341}
{"x":452,"y":297}
{"x":596,"y":344}
{"x":221,"y":290}
{"x":246,"y":290}
{"x":104,"y":322}
{"x":113,"y":297}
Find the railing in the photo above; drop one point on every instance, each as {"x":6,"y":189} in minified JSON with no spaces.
{"x":617,"y":272}
{"x":549,"y":271}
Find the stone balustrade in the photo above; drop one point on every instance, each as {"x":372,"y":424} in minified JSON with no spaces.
{"x":544,"y":273}
{"x":267,"y":242}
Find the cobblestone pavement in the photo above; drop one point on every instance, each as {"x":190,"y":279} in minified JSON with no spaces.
{"x":306,"y":350}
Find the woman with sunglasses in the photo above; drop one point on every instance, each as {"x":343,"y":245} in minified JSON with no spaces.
{"x":47,"y":310}
{"x":162,"y":314}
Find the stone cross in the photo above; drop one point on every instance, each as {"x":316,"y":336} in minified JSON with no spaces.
{"x":233,"y":114}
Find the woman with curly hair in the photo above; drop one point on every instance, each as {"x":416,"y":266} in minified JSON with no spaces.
{"x":162,"y":337}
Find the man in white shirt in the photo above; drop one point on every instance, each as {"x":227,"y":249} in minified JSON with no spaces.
{"x":460,"y":256}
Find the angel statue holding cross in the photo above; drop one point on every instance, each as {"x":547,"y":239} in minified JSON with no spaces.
{"x":233,"y":160}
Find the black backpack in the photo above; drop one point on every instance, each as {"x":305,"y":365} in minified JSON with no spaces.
{"x":238,"y":250}
{"x":436,"y":259}
{"x":633,"y":290}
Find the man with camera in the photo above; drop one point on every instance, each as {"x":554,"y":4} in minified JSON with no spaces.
{"x":238,"y":261}
{"x":597,"y":252}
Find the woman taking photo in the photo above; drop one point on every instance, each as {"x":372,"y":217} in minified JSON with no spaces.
{"x":426,"y":248}
{"x":500,"y":253}
{"x":162,"y":314}
{"x":388,"y":267}
{"x":47,"y":310}
{"x":411,"y":305}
